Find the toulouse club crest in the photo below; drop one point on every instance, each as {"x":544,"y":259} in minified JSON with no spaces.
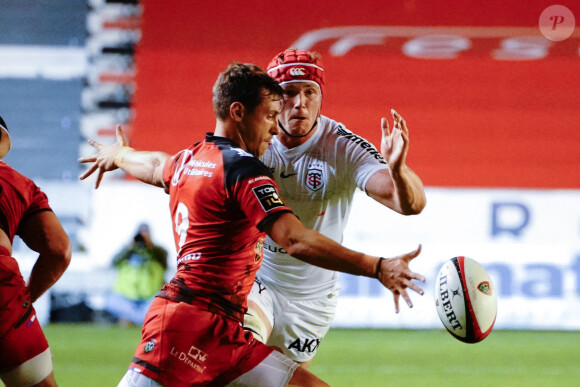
{"x":315,"y":177}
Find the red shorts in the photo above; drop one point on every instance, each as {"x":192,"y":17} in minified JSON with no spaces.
{"x":21,"y":337}
{"x":182,"y":345}
{"x":14,"y":296}
{"x":22,"y":343}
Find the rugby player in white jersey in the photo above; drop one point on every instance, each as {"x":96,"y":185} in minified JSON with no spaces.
{"x":318,"y":164}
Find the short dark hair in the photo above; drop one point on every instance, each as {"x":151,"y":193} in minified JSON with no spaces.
{"x":3,"y":123}
{"x":244,"y":83}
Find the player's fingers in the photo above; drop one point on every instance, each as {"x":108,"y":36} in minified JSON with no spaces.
{"x":413,"y":286}
{"x":396,"y":116}
{"x":385,"y":127}
{"x":99,"y":178}
{"x":120,"y":133}
{"x":403,"y":125}
{"x":405,"y":136}
{"x":400,"y":122}
{"x":396,"y":299}
{"x":94,"y":143}
{"x":406,"y":297}
{"x":417,"y":276}
{"x":89,"y":172}
{"x":87,"y":159}
{"x":413,"y":254}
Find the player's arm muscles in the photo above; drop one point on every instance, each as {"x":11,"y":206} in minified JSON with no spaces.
{"x":402,"y":190}
{"x":146,"y":166}
{"x":312,"y":247}
{"x":43,"y":233}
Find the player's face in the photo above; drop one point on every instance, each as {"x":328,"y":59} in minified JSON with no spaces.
{"x":260,"y":126}
{"x":302,"y":101}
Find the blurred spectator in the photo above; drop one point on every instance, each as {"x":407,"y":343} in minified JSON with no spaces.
{"x":141,"y":273}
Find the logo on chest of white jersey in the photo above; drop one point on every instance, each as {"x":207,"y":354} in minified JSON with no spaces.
{"x":315,"y":177}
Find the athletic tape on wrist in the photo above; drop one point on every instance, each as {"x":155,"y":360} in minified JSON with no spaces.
{"x":121,"y":155}
{"x":379,"y":264}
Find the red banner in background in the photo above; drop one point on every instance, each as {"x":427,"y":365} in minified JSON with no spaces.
{"x":489,"y":101}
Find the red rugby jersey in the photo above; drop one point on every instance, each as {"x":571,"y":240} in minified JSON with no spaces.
{"x":19,"y":199}
{"x":220,"y":199}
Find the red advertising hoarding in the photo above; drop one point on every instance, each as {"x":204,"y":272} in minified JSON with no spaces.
{"x":489,"y":100}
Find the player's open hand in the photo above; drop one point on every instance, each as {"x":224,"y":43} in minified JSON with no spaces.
{"x":104,"y":159}
{"x":395,"y":143}
{"x":396,"y":276}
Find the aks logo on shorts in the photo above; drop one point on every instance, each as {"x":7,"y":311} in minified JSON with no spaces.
{"x":305,"y":345}
{"x":268,"y":197}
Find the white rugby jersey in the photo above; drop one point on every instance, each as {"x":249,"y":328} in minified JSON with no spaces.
{"x":317,"y":181}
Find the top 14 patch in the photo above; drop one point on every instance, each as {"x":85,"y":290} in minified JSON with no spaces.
{"x":268,"y":197}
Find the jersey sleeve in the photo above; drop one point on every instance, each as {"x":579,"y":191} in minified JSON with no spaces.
{"x":35,"y":201}
{"x":171,"y":164}
{"x":362,"y":159}
{"x":38,"y":200}
{"x":252,"y":186}
{"x":26,"y":199}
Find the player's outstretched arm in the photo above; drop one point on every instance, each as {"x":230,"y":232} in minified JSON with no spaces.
{"x":142,"y":165}
{"x":314,"y":248}
{"x":398,"y":188}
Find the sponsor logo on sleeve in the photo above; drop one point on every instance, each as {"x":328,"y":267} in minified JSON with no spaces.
{"x":268,"y":197}
{"x":367,"y":146}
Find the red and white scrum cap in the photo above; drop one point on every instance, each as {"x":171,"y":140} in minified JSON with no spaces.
{"x":295,"y":65}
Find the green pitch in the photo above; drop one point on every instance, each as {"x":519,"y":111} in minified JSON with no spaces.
{"x":91,"y":355}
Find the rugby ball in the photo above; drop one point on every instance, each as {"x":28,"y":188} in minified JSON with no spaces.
{"x":466,"y":299}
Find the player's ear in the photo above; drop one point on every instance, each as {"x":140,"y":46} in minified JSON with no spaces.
{"x":237,"y":111}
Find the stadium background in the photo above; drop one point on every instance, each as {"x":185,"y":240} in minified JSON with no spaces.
{"x":492,"y":107}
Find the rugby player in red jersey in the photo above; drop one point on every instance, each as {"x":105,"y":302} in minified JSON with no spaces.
{"x":25,"y":357}
{"x":223,"y":201}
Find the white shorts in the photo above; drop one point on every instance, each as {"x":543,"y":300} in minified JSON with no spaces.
{"x":298,"y":324}
{"x":275,"y":370}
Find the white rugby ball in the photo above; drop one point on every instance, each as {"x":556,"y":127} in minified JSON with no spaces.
{"x":466,"y":299}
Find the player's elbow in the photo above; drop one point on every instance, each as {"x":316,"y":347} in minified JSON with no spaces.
{"x":295,"y":249}
{"x":293,"y":241}
{"x":302,"y":244}
{"x":414,"y":208}
{"x":60,"y":249}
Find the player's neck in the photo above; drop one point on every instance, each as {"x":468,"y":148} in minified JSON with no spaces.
{"x":293,"y":142}
{"x":229,"y":130}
